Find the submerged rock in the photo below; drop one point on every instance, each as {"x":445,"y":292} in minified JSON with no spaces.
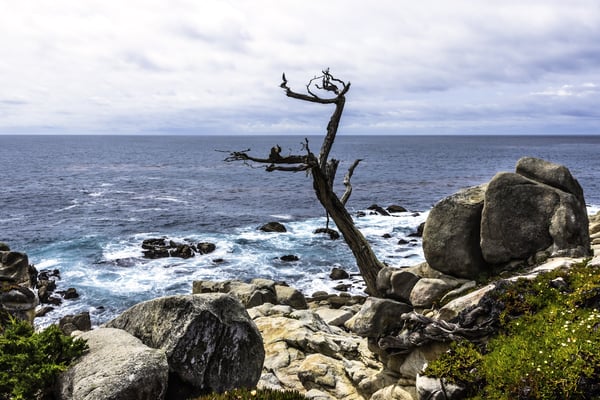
{"x":333,"y":234}
{"x":273,"y":227}
{"x":337,"y":274}
{"x":161,"y":248}
{"x":79,"y":322}
{"x":379,"y":210}
{"x":396,"y":209}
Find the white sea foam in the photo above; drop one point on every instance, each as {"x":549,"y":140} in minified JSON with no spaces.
{"x":171,"y":199}
{"x":123,"y":276}
{"x":75,"y":204}
{"x":285,"y":217}
{"x":47,"y":264}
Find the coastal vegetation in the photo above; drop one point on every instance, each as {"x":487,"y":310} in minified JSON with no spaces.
{"x":547,"y":344}
{"x":30,"y":361}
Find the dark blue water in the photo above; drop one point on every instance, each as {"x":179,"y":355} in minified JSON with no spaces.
{"x":83,"y":204}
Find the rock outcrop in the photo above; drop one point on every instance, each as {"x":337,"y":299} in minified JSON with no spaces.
{"x":539,"y":208}
{"x":452,"y":233}
{"x":255,"y":293}
{"x":162,"y":247}
{"x":210,"y":342}
{"x":304,"y":353}
{"x":273,"y":226}
{"x":117,"y":366}
{"x":17,"y":279}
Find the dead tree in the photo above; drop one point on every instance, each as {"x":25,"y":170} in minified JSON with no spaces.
{"x":323,"y":170}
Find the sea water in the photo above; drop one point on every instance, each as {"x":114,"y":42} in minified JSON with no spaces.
{"x":84,"y":204}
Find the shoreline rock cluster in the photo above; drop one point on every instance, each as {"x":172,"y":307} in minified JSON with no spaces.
{"x":534,"y":213}
{"x":231,"y":333}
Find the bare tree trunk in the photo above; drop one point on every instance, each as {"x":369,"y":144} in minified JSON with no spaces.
{"x":323,"y":172}
{"x":366,"y":260}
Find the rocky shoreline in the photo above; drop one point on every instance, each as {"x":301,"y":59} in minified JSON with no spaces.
{"x":264,"y":333}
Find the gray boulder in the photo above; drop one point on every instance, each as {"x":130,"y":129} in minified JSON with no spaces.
{"x":396,"y":283}
{"x":551,"y":174}
{"x":538,"y":210}
{"x":451,"y":234}
{"x":289,"y":296}
{"x":18,"y":301}
{"x":438,"y":389}
{"x":522,"y":216}
{"x":210,"y":341}
{"x":14,"y":268}
{"x":273,"y":227}
{"x":117,"y":366}
{"x":429,"y":291}
{"x":378,"y":317}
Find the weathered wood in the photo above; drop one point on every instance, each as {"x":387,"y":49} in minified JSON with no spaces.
{"x":323,"y":171}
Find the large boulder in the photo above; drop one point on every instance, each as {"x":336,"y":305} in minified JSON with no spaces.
{"x":210,"y":341}
{"x":378,"y":317}
{"x":117,"y":366}
{"x":451,"y":234}
{"x":396,"y":283}
{"x":17,"y":279}
{"x":15,"y":268}
{"x":18,"y":301}
{"x":541,"y":211}
{"x":551,"y":174}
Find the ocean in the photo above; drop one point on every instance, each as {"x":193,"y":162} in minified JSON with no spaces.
{"x":84,"y":204}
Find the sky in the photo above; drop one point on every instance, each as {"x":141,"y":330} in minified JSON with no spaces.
{"x":214,"y":67}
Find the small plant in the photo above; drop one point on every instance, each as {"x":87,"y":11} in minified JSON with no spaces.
{"x":547,"y":346}
{"x":255,"y":394}
{"x":460,"y":365}
{"x":30,"y":361}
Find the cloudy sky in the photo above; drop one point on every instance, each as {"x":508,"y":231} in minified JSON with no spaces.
{"x":212,"y":67}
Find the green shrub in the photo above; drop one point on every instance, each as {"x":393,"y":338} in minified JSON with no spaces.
{"x":257,"y":394}
{"x":547,"y":346}
{"x":30,"y":361}
{"x":462,"y":365}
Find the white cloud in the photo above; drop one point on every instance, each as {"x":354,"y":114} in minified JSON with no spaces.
{"x":583,"y":90}
{"x":108,"y":66}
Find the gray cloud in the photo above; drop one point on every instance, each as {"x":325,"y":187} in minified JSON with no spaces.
{"x":416,"y":67}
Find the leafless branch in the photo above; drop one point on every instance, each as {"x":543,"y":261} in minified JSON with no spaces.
{"x":327,"y":85}
{"x":347,"y":183}
{"x":277,"y":162}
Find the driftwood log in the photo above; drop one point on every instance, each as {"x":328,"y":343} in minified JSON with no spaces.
{"x":475,"y":324}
